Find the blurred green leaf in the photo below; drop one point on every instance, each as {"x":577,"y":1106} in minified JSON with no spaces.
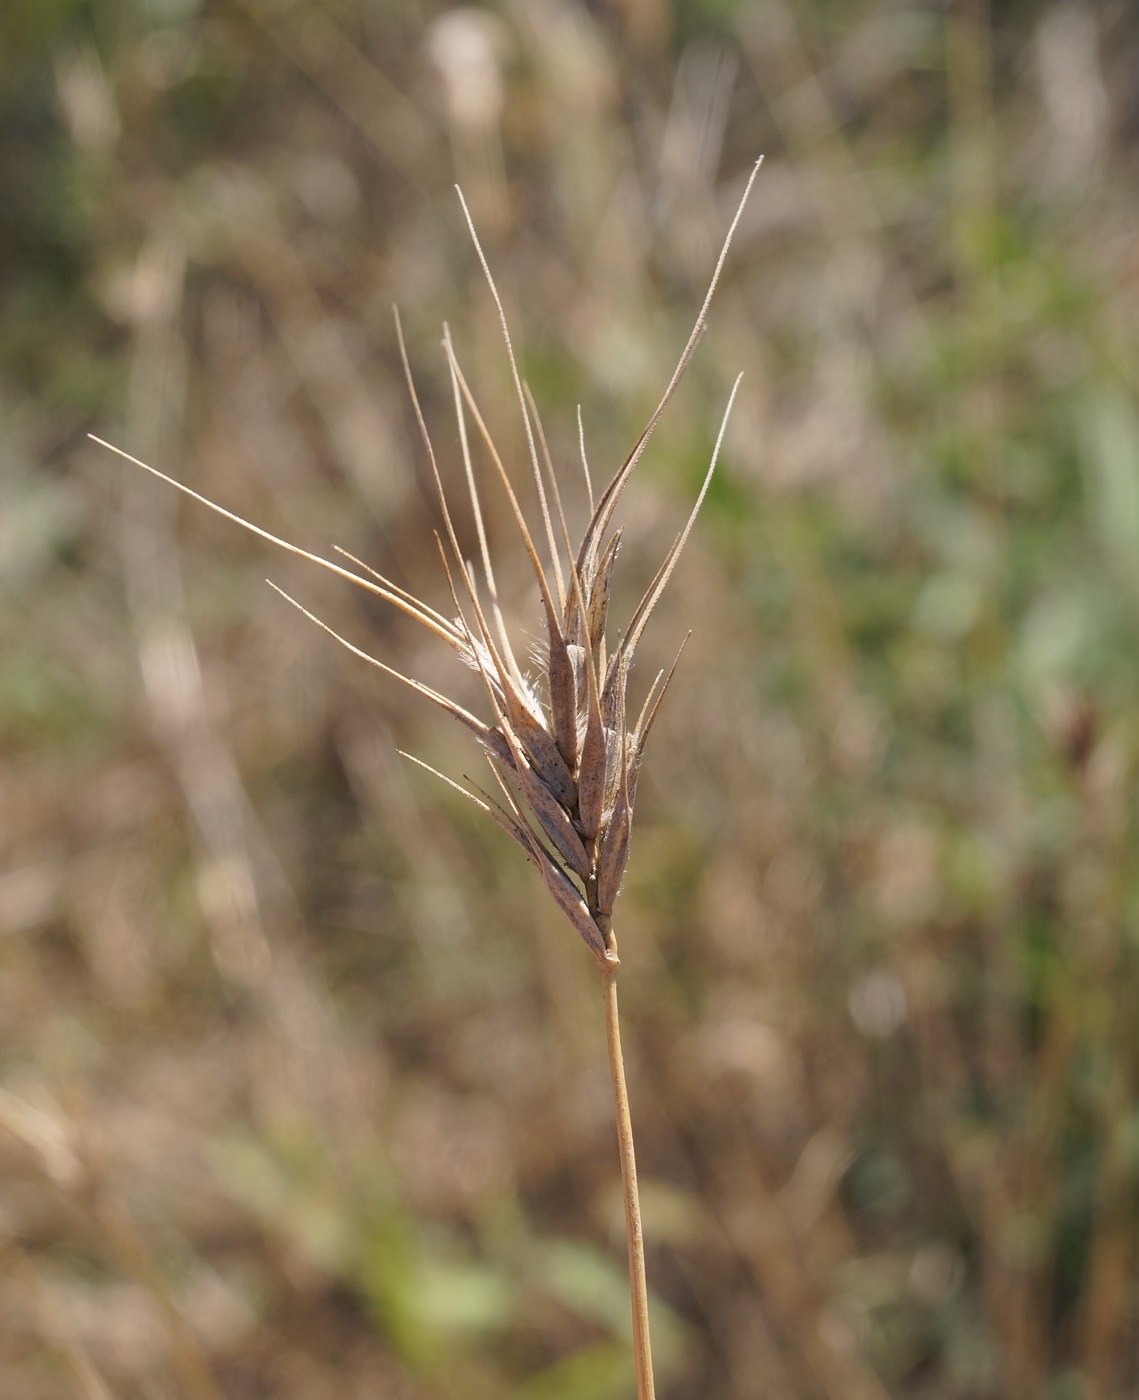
{"x":600,"y":1372}
{"x":1111,"y":459}
{"x":589,"y":1282}
{"x":461,"y":1297}
{"x":426,"y":1296}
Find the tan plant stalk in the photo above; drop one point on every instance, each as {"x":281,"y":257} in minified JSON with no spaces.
{"x":634,"y":1235}
{"x":564,"y":759}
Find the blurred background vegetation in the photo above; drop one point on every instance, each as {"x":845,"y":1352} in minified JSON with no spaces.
{"x":302,"y":1081}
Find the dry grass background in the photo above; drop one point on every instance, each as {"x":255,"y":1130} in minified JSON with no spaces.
{"x":302,"y":1085}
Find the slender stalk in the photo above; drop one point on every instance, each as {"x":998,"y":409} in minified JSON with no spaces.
{"x":638,"y":1288}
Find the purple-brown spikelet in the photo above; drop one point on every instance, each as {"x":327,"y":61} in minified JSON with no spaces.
{"x":564,"y":757}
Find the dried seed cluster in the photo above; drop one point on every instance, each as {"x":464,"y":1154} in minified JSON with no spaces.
{"x":563,"y":753}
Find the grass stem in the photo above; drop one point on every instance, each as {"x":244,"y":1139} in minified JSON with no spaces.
{"x":638,"y":1287}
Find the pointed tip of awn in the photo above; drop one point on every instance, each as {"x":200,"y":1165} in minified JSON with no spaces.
{"x":444,"y":778}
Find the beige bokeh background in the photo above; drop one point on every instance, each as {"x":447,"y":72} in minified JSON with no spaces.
{"x":302,"y":1082}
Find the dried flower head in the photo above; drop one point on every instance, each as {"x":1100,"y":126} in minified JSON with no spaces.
{"x":564,"y":756}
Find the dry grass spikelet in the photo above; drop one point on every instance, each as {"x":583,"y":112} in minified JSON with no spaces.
{"x":564,"y":756}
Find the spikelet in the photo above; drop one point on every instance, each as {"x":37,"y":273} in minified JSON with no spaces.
{"x":563,"y":756}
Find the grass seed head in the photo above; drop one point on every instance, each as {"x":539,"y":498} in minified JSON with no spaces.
{"x":565,"y":766}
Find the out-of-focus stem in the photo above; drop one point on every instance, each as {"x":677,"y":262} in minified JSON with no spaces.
{"x":638,"y":1287}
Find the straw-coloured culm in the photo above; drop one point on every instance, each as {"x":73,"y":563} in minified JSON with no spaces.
{"x":563,"y":755}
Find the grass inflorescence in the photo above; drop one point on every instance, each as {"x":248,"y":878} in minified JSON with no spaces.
{"x":563,"y":753}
